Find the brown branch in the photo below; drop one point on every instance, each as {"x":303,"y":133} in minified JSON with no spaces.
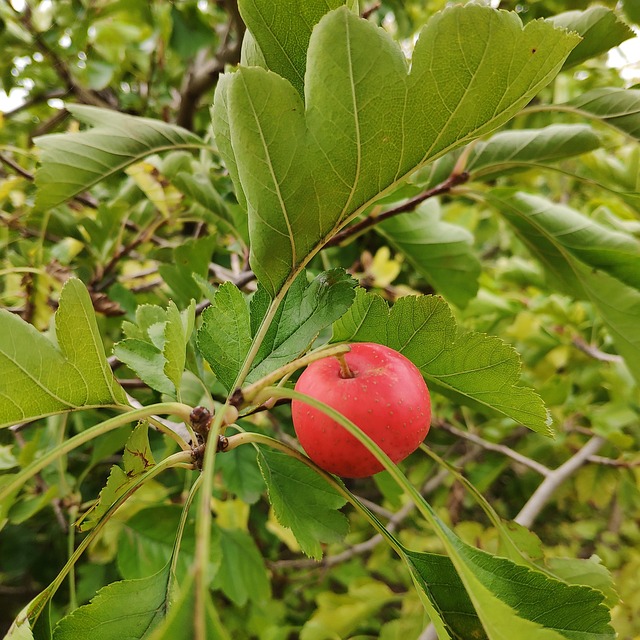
{"x":445,"y":186}
{"x":60,"y":67}
{"x":204,"y":71}
{"x":369,"y":10}
{"x":34,"y":100}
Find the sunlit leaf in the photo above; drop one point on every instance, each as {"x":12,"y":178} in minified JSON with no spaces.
{"x":473,"y":368}
{"x":39,"y":378}
{"x":73,"y":162}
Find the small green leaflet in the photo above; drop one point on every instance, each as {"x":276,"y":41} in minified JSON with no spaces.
{"x":305,"y":168}
{"x":440,"y":251}
{"x":307,"y":309}
{"x":303,"y":501}
{"x":137,"y":459}
{"x":228,"y":325}
{"x":39,"y":378}
{"x":140,"y":605}
{"x":224,"y":338}
{"x":473,"y":368}
{"x":600,"y":28}
{"x":73,"y":162}
{"x":588,"y":260}
{"x":156,"y":348}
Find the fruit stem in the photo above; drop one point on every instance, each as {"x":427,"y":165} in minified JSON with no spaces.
{"x":345,"y":372}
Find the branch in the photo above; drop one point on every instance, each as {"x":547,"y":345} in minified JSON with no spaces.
{"x":552,"y":482}
{"x":498,"y":448}
{"x":204,"y":73}
{"x":34,"y":100}
{"x":59,"y":65}
{"x":445,"y":186}
{"x":594,"y":352}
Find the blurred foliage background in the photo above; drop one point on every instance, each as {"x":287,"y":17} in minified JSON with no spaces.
{"x":136,"y":239}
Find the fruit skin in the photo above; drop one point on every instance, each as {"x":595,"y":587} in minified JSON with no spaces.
{"x":387,"y":398}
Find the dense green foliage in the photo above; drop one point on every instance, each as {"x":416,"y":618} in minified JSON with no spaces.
{"x":228,"y":192}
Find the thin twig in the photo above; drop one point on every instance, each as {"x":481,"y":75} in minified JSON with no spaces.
{"x":594,"y":352}
{"x":445,"y":186}
{"x":498,"y":448}
{"x":612,"y":462}
{"x":541,"y":496}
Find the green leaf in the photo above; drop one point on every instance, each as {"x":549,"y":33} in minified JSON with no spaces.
{"x":147,"y":361}
{"x":338,"y":615}
{"x":307,"y":309}
{"x":224,"y":339}
{"x":508,"y":149}
{"x":180,"y":621}
{"x":619,"y":108}
{"x":473,"y":368}
{"x":157,"y":353}
{"x":283,"y":30}
{"x":73,"y":162}
{"x":242,"y":576}
{"x":574,"y":234}
{"x":137,"y":459}
{"x":241,"y":473}
{"x":177,"y":332}
{"x":513,"y":597}
{"x":228,"y":327}
{"x":303,"y":501}
{"x":191,"y":257}
{"x":147,"y":540}
{"x":440,"y":251}
{"x":305,"y":169}
{"x":126,"y":609}
{"x":589,"y":572}
{"x":600,"y":29}
{"x":572,"y":251}
{"x":38,"y":378}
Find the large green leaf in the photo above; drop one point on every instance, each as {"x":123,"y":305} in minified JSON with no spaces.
{"x":473,"y":368}
{"x":224,"y":338}
{"x":283,"y":30}
{"x":440,"y":251}
{"x":519,"y":148}
{"x":619,"y":108}
{"x":575,"y":234}
{"x":600,"y":29}
{"x":585,"y":260}
{"x":73,"y":162}
{"x":38,"y":378}
{"x":305,"y":168}
{"x":303,"y":501}
{"x":127,"y":609}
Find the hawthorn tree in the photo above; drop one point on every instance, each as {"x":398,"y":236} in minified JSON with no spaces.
{"x":231,"y":193}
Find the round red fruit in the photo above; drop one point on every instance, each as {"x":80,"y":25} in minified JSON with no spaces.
{"x":386,"y":396}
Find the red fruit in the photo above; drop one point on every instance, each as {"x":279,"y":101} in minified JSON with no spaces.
{"x":386,"y":397}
